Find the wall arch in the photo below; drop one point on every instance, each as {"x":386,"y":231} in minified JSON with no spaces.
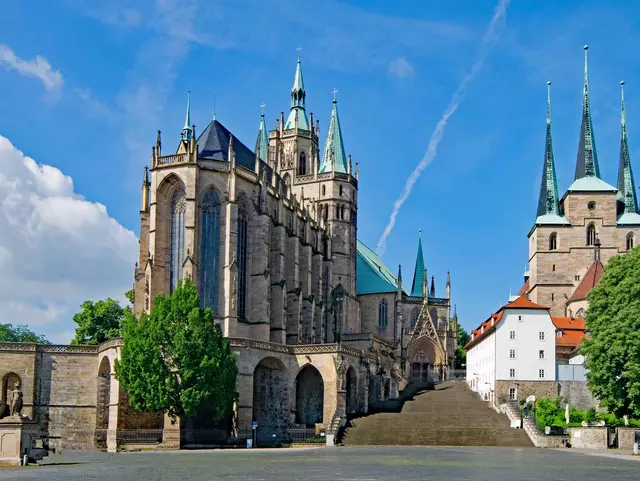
{"x":270,"y":400}
{"x":351,"y":388}
{"x":309,"y":399}
{"x":9,"y":382}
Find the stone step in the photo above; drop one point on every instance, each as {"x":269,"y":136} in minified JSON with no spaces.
{"x":450,"y":415}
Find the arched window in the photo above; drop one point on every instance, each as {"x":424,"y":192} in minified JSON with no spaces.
{"x":630,"y":241}
{"x":243,"y":223}
{"x":591,"y":234}
{"x":337,"y":211}
{"x":178,"y":209}
{"x":553,"y":241}
{"x":324,"y":190}
{"x":340,"y":190}
{"x":302,"y":164}
{"x":210,"y":262}
{"x":414,"y":317}
{"x":382,"y":313}
{"x":326,"y":213}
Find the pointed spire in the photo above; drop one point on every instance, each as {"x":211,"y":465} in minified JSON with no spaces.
{"x":417,"y":287}
{"x":334,"y":158}
{"x":548,"y":200}
{"x":455,"y":312}
{"x":262,"y":142}
{"x":587,"y":162}
{"x":399,"y":273}
{"x":298,"y":96}
{"x":627,"y":200}
{"x":186,"y":130}
{"x":448,"y":286}
{"x":433,"y":287}
{"x":145,"y":189}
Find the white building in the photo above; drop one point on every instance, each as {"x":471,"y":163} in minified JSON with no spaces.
{"x":515,"y":345}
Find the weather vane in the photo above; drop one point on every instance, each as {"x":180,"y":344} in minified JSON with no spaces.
{"x":262,"y":106}
{"x":335,"y":91}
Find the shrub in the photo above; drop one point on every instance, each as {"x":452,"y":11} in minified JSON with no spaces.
{"x":591,"y":416}
{"x":575,"y":415}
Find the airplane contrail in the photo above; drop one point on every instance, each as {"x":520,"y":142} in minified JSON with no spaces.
{"x":489,"y":38}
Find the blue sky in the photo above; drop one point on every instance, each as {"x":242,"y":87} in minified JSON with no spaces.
{"x":84,"y":85}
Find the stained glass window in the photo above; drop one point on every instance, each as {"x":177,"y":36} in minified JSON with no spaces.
{"x":243,"y":223}
{"x":210,"y":246}
{"x":382,"y":313}
{"x":178,"y":210}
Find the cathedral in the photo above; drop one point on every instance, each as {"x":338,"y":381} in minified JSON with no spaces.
{"x":321,"y":326}
{"x":573,"y":237}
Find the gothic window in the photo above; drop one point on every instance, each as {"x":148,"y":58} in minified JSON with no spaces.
{"x":340,"y":191}
{"x":553,"y":241}
{"x":337,"y":211}
{"x":382,"y":313}
{"x":591,"y":234}
{"x":630,"y":241}
{"x":302,"y":164}
{"x":326,"y":213}
{"x":210,"y":242}
{"x":414,"y":317}
{"x":324,"y":190}
{"x":178,"y":210}
{"x":243,"y":223}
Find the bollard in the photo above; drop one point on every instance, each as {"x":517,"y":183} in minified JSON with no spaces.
{"x":25,"y":460}
{"x":635,"y":448}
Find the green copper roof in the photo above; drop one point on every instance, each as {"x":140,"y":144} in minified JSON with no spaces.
{"x":552,"y":219}
{"x":417,"y":288}
{"x":587,"y":162}
{"x":298,"y":96}
{"x":334,"y":158}
{"x":262,"y":142}
{"x":548,"y":200}
{"x":627,"y":201}
{"x":591,"y":184}
{"x":373,"y":276}
{"x":629,"y":218}
{"x":186,"y":130}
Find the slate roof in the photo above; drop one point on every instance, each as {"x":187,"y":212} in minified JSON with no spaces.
{"x":589,"y":281}
{"x":587,"y":161}
{"x":417,"y":287}
{"x":334,"y":158}
{"x":373,"y":276}
{"x":213,"y":144}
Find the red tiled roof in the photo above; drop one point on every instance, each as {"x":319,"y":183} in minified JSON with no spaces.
{"x":570,"y":339}
{"x":589,"y":281}
{"x":524,"y":289}
{"x":521,"y":302}
{"x":569,"y":323}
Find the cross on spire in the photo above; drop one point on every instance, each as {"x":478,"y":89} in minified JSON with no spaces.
{"x":335,"y":91}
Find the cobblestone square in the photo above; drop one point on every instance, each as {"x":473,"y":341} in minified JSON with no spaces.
{"x":336,"y":464}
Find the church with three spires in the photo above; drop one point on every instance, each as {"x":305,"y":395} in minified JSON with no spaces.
{"x":322,"y":328}
{"x":573,"y":237}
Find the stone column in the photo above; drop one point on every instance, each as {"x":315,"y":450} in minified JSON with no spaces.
{"x":292,"y":259}
{"x":278,"y":284}
{"x":114,"y":408}
{"x":229,"y":305}
{"x":307,"y":308}
{"x":317,"y":288}
{"x":260,"y":291}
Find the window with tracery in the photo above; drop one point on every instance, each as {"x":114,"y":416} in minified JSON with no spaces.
{"x":302,"y":164}
{"x":242,"y":242}
{"x":210,"y":247}
{"x":630,"y":241}
{"x":591,"y":234}
{"x":382,"y":313}
{"x":178,"y":211}
{"x":553,"y":241}
{"x":414,"y":317}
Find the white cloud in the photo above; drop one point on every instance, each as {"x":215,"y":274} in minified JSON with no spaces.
{"x":401,"y":68}
{"x":39,"y":68}
{"x":57,"y":249}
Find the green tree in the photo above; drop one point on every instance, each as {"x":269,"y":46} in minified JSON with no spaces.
{"x":130,"y":296}
{"x":98,"y":321}
{"x":177,"y":358}
{"x":613,"y":352}
{"x":20,"y":333}
{"x":461,"y":354}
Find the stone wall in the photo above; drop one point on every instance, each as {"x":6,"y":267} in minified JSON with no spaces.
{"x":589,"y":437}
{"x":575,"y":393}
{"x":626,"y":437}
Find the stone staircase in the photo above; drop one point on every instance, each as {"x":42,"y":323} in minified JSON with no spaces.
{"x":449,"y":415}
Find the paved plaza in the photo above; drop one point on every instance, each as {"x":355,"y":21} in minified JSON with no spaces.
{"x":334,"y":464}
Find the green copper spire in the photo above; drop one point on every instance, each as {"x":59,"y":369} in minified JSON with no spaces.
{"x":262,"y":142}
{"x":186,"y":130}
{"x":417,"y":288}
{"x":298,"y":96}
{"x":334,"y":158}
{"x":587,"y":163}
{"x":627,"y":200}
{"x":548,"y":201}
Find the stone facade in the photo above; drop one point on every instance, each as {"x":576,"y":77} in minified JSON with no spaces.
{"x":591,"y":437}
{"x":574,"y":393}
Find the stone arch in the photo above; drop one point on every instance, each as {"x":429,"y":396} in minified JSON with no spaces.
{"x":270,"y":400}
{"x":104,"y":394}
{"x":351,"y":388}
{"x":9,"y":381}
{"x":591,"y":234}
{"x":425,"y":357}
{"x":309,"y":387}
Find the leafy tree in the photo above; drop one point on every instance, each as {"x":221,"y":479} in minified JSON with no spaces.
{"x":98,"y":321}
{"x":129,"y":295}
{"x":461,"y":354}
{"x":177,"y":358}
{"x":20,"y":333}
{"x":613,"y":321}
